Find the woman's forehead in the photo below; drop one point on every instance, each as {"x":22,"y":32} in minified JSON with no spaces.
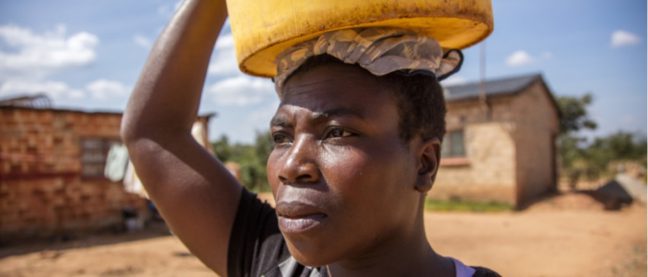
{"x":336,"y":90}
{"x":331,"y":76}
{"x":322,"y":93}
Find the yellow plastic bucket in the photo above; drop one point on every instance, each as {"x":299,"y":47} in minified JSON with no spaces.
{"x":264,"y":28}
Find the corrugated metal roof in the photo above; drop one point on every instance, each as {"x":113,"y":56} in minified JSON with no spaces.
{"x":494,"y":87}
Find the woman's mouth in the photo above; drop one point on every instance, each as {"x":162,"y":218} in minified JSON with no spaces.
{"x":297,"y":217}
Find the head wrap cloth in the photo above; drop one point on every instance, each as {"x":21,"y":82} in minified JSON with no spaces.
{"x":378,"y":50}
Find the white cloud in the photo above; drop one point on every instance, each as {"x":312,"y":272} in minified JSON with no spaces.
{"x":454,"y":80}
{"x":225,"y":41}
{"x":58,"y":91}
{"x":242,"y":127}
{"x":105,"y":89}
{"x":142,"y":41}
{"x":241,"y":91}
{"x":519,"y":58}
{"x":264,"y":114}
{"x":223,"y":62}
{"x":61,"y":92}
{"x":28,"y":58}
{"x":42,"y":54}
{"x":622,"y":38}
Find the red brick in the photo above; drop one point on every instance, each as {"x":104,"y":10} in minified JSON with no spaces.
{"x":44,"y":205}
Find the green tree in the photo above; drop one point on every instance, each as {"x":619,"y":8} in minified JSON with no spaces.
{"x":620,"y":146}
{"x":574,"y":116}
{"x":263,"y":146}
{"x":574,"y":119}
{"x":251,"y":158}
{"x":581,"y":159}
{"x":222,"y":148}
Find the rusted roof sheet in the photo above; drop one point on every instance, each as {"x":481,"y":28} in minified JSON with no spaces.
{"x":495,"y":87}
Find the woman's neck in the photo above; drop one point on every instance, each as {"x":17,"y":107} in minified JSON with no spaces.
{"x":408,"y":254}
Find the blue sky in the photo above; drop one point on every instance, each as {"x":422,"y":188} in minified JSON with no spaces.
{"x":88,"y":54}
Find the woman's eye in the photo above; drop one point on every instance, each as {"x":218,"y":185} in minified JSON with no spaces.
{"x":279,"y":138}
{"x":338,"y":133}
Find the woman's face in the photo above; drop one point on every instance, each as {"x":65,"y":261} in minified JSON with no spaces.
{"x":342,"y":177}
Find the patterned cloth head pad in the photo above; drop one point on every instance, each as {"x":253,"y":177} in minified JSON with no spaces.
{"x":378,"y":50}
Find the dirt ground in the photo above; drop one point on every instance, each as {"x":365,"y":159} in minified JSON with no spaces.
{"x":568,"y":235}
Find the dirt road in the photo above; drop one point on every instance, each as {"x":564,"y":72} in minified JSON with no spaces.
{"x":546,"y":242}
{"x":567,"y":236}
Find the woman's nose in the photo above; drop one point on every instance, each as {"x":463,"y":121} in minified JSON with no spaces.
{"x":300,"y":166}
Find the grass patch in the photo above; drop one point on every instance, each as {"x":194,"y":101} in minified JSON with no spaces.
{"x":465,"y":206}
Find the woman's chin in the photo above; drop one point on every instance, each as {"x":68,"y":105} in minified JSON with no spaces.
{"x":310,"y":255}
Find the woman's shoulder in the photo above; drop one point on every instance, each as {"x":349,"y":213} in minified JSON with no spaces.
{"x":463,"y":270}
{"x":484,"y":272}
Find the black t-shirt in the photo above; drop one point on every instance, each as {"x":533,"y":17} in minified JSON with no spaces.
{"x":257,"y":248}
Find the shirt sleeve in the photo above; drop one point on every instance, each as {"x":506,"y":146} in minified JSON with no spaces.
{"x":255,"y":244}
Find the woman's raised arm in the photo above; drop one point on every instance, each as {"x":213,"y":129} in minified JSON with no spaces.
{"x":194,"y":192}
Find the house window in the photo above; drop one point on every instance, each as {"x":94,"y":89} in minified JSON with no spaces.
{"x":94,"y":152}
{"x":453,"y":144}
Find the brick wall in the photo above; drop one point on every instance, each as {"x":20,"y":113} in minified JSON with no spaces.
{"x":537,"y":126}
{"x":509,"y":153}
{"x":42,"y":190}
{"x":488,"y":170}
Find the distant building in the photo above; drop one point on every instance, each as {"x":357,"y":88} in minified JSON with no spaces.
{"x":500,"y":141}
{"x":52,"y":171}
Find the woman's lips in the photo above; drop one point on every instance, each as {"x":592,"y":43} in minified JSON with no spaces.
{"x":300,"y":225}
{"x":297,"y":217}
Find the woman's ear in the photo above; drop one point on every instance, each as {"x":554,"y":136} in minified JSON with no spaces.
{"x":429,"y":157}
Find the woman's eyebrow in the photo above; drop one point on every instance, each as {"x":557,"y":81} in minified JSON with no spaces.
{"x":337,"y":112}
{"x":280,"y":121}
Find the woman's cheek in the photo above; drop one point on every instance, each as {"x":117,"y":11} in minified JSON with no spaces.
{"x":345,"y":168}
{"x":272,"y":167}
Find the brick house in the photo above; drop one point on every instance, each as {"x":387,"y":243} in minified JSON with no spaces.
{"x":52,"y":171}
{"x":500,"y":141}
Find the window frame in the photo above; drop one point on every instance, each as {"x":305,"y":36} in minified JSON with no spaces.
{"x":99,"y":159}
{"x":449,"y":144}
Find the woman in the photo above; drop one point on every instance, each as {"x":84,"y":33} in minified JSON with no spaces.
{"x":356,"y":148}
